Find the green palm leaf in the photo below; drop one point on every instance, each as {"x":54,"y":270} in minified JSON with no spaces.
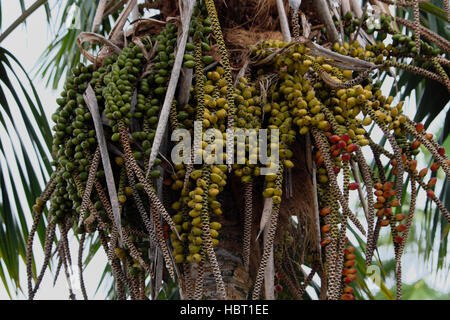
{"x":19,"y":151}
{"x":62,"y":53}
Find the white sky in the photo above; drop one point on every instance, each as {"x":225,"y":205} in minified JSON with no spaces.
{"x":27,"y":43}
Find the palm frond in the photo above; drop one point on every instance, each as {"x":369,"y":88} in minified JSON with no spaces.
{"x":23,"y":17}
{"x":62,"y":53}
{"x":24,"y":153}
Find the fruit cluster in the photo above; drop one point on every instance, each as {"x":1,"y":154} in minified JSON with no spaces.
{"x":288,"y":88}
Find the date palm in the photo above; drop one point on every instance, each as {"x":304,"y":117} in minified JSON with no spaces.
{"x":63,"y":53}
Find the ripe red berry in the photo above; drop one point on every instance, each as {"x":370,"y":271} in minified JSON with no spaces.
{"x":319,"y":161}
{"x":395,"y":203}
{"x":404,"y":158}
{"x":435,"y":166}
{"x":388,"y":212}
{"x":350,"y":256}
{"x":335,"y":153}
{"x":326,"y":228}
{"x":432,"y":182}
{"x":345,"y":157}
{"x":351,"y":148}
{"x":388,"y":185}
{"x":348,"y":290}
{"x":378,"y":193}
{"x":349,"y":263}
{"x":399,"y":217}
{"x":324,"y":211}
{"x":349,"y":249}
{"x":384,"y":223}
{"x":325,"y":241}
{"x":351,"y":270}
{"x":342,"y":144}
{"x":347,"y":296}
{"x":348,"y":271}
{"x":278,"y":288}
{"x":400,"y":228}
{"x":347,"y":280}
{"x":334,"y":139}
{"x":415,"y":144}
{"x":352,"y":276}
{"x":423,"y":172}
{"x":419,"y":127}
{"x":430,"y":194}
{"x":345,"y":137}
{"x":398,"y":239}
{"x":336,"y":170}
{"x":389,"y":193}
{"x":378,"y":205}
{"x":429,"y":136}
{"x":412,"y":165}
{"x":353,"y":186}
{"x":441,"y":151}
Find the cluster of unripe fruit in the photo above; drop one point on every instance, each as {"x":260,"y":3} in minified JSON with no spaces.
{"x":248,"y":116}
{"x":115,"y":83}
{"x":199,"y":31}
{"x":402,"y":46}
{"x":73,"y":142}
{"x":216,"y":106}
{"x":119,"y":85}
{"x":299,"y":99}
{"x":190,"y":211}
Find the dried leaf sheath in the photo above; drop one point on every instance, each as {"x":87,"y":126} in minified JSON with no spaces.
{"x":370,"y":214}
{"x":80,"y":266}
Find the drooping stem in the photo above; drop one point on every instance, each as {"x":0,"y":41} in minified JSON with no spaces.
{"x":89,"y":184}
{"x":206,"y":235}
{"x":36,"y":220}
{"x":370,"y":202}
{"x":248,"y":219}
{"x":80,"y":266}
{"x":268,"y":246}
{"x":48,"y":244}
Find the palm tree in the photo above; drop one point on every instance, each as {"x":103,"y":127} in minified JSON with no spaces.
{"x":142,"y":253}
